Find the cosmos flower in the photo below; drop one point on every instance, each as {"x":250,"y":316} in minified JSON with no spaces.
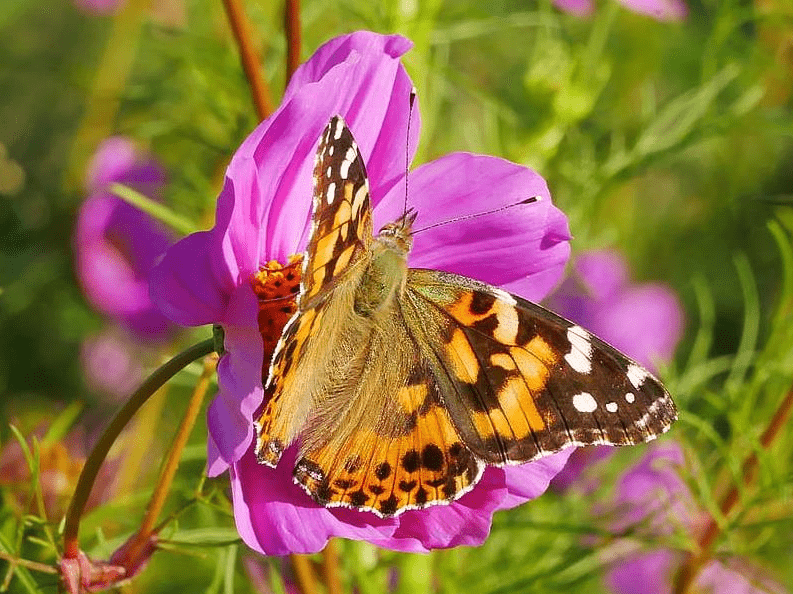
{"x":263,"y":214}
{"x":651,"y":501}
{"x":644,"y":321}
{"x":660,"y":10}
{"x":116,"y":245}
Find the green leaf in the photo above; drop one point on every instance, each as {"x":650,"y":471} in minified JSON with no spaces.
{"x":157,"y":210}
{"x":22,"y":573}
{"x":204,"y":537}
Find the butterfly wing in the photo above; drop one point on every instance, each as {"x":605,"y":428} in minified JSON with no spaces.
{"x":520,"y":382}
{"x":341,"y":236}
{"x":401,"y":451}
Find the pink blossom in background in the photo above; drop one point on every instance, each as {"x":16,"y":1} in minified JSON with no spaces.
{"x":644,"y":321}
{"x":660,"y":10}
{"x":263,"y":213}
{"x":116,"y":245}
{"x":112,"y":363}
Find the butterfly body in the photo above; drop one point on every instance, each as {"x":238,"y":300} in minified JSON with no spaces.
{"x":402,"y":384}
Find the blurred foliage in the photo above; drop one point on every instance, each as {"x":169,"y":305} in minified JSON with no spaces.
{"x":669,"y":142}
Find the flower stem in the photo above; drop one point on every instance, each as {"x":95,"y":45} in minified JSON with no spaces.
{"x":135,"y":547}
{"x":690,"y":568}
{"x":71,"y":545}
{"x":304,"y":574}
{"x":330,"y":568}
{"x":292,"y":29}
{"x":250,"y":63}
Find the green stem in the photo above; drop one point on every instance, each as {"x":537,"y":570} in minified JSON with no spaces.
{"x":152,"y":207}
{"x":71,"y":544}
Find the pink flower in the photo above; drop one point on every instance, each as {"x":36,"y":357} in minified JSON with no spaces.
{"x":113,"y":363}
{"x":116,"y":245}
{"x":660,"y":10}
{"x":263,"y":214}
{"x":644,"y":321}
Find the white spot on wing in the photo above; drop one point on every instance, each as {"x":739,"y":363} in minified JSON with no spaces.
{"x":331,"y":149}
{"x":329,"y":172}
{"x":504,"y":296}
{"x":611,"y":407}
{"x":584,"y":402}
{"x":630,"y":398}
{"x":579,"y":357}
{"x":339,"y":128}
{"x":637,"y":375}
{"x":330,"y":194}
{"x":345,"y":164}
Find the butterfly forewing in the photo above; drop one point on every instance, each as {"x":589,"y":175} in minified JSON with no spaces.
{"x":524,"y":382}
{"x":341,"y":233}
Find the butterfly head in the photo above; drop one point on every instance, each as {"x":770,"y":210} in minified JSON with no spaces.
{"x":398,"y":235}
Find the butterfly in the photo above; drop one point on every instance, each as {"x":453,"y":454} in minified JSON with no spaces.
{"x":402,"y":384}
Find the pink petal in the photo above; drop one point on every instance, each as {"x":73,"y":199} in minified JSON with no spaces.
{"x":522,"y":249}
{"x":263,"y":211}
{"x":229,"y":418}
{"x":528,"y":481}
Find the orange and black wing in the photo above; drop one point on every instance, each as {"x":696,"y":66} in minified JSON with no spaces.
{"x":520,"y":382}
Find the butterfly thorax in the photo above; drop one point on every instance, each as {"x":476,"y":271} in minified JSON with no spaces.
{"x":386,"y":271}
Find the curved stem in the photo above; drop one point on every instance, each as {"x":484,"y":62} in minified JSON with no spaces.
{"x":250,"y":62}
{"x":71,"y":546}
{"x":128,"y":555}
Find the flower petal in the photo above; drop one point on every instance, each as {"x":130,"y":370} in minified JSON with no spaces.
{"x":528,"y":481}
{"x":579,"y":8}
{"x":660,"y":10}
{"x":239,"y":386}
{"x":522,"y":248}
{"x":276,"y":517}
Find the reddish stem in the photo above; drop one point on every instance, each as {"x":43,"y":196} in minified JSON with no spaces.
{"x":250,"y":62}
{"x":292,"y":29}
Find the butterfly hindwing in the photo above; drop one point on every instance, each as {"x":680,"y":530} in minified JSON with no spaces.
{"x":390,"y":467}
{"x":523,"y":382}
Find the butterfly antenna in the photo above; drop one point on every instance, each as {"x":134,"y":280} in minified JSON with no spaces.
{"x":530,"y":200}
{"x":407,"y":148}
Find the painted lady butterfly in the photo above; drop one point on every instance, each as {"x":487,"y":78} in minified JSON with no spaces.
{"x":403,"y":384}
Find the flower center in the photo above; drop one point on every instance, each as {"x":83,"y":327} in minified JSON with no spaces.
{"x":276,"y":286}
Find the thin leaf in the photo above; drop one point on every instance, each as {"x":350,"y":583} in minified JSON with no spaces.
{"x":22,"y":573}
{"x":151,"y":207}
